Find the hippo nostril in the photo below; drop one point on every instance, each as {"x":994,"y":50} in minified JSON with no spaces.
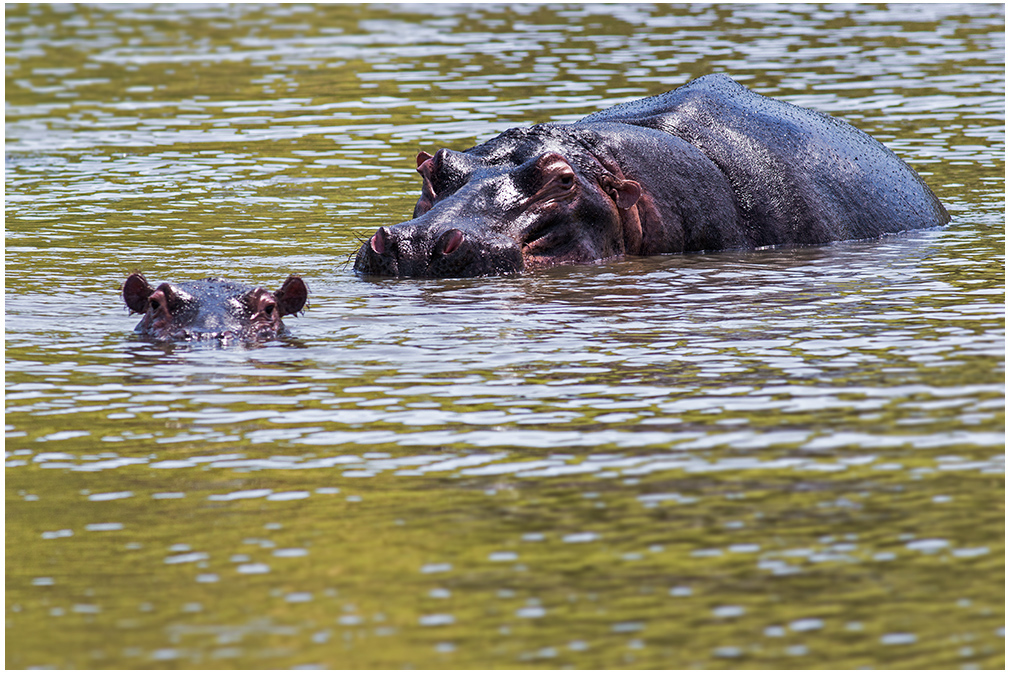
{"x":380,"y":240}
{"x":449,"y":241}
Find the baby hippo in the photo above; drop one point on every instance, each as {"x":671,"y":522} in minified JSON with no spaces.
{"x":212,"y":309}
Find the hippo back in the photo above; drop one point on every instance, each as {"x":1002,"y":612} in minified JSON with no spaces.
{"x":799,"y":176}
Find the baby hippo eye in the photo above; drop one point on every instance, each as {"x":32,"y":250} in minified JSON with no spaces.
{"x":155,"y":305}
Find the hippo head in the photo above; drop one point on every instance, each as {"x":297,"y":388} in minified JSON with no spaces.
{"x":527,"y":199}
{"x":212,"y":309}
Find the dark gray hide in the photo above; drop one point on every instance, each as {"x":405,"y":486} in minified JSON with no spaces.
{"x":212,"y":309}
{"x":709,"y":166}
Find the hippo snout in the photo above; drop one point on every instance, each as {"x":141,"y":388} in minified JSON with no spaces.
{"x":408,"y":250}
{"x":448,"y":243}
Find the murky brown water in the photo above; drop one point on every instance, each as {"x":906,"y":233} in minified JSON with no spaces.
{"x":775,"y":459}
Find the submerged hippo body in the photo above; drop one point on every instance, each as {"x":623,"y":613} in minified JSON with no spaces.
{"x":709,"y":166}
{"x":212,"y":309}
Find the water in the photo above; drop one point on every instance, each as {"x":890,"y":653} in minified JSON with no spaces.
{"x":778,"y":459}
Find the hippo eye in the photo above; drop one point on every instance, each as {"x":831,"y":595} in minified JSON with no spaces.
{"x":155,"y":305}
{"x":269,"y":309}
{"x":567,"y":180}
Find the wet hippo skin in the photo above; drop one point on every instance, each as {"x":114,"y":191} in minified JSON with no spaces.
{"x":212,"y":309}
{"x":709,"y":166}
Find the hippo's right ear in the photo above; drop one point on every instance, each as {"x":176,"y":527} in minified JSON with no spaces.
{"x":292,"y":295}
{"x":136,"y":291}
{"x":426,"y":167}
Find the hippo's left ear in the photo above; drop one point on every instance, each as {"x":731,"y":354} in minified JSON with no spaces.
{"x":136,"y":291}
{"x":292,"y":295}
{"x":625,"y":193}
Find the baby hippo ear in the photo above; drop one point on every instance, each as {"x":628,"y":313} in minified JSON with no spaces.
{"x":625,"y":193}
{"x":136,"y":292}
{"x":292,"y":295}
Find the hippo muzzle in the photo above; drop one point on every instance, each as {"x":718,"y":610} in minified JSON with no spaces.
{"x":419,"y":249}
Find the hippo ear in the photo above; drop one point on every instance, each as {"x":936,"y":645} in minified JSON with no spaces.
{"x":136,"y":291}
{"x":425,"y":166}
{"x":292,"y":295}
{"x":625,"y":193}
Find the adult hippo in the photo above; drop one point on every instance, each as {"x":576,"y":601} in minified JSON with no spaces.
{"x":709,"y":166}
{"x":212,"y":309}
